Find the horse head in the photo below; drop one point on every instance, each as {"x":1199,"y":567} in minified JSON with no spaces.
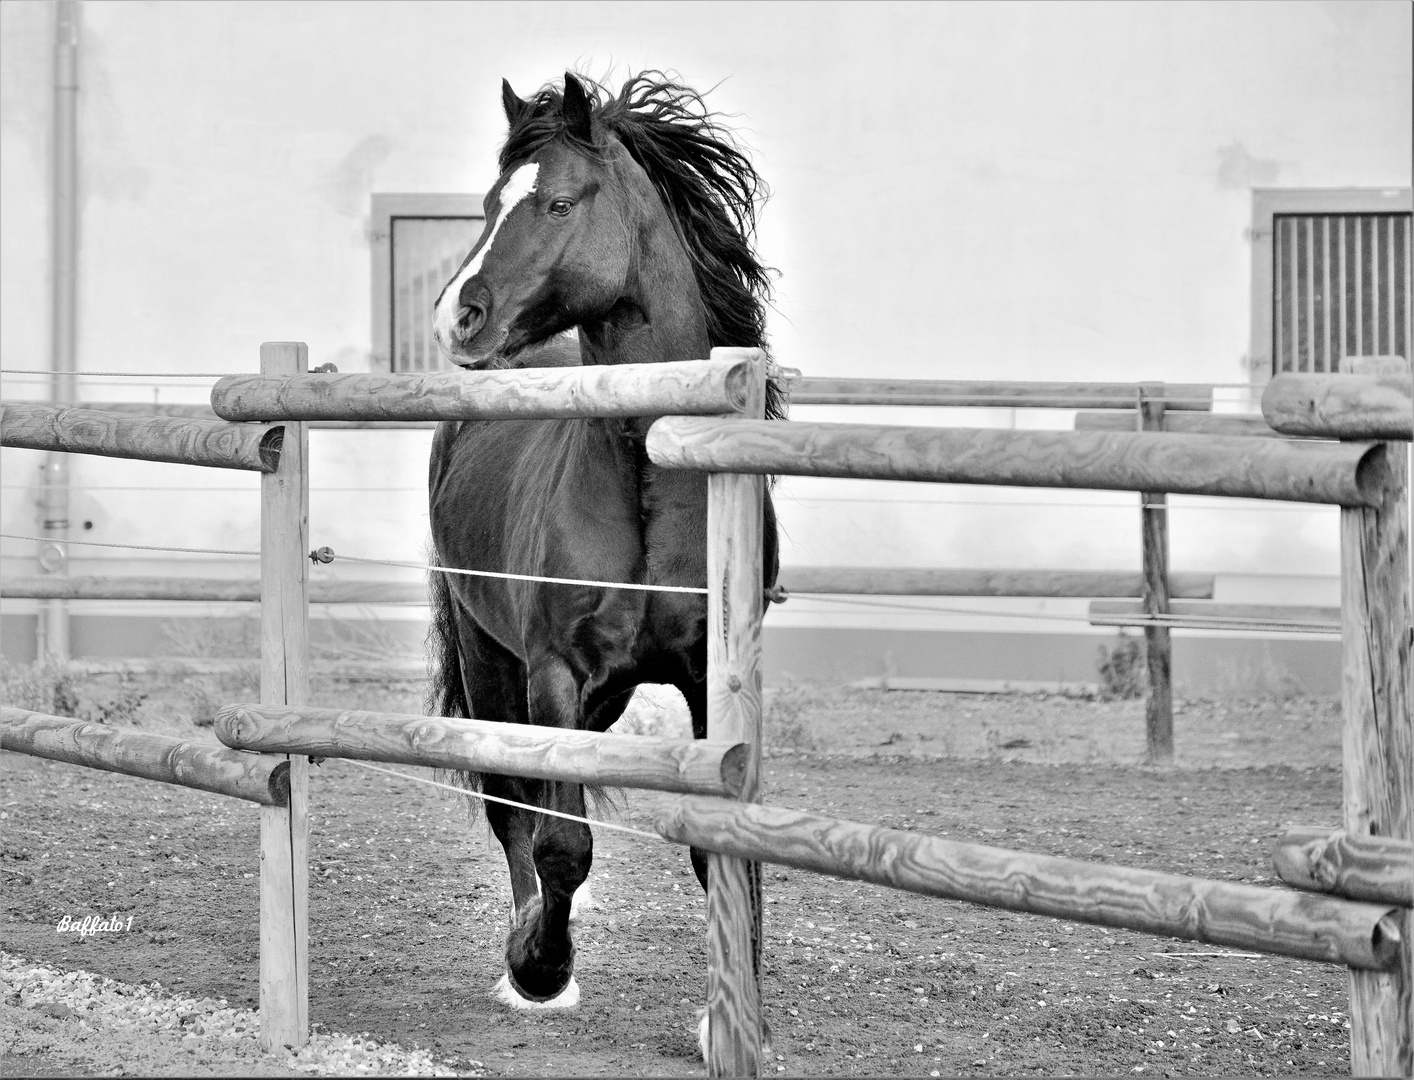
{"x":570,"y":223}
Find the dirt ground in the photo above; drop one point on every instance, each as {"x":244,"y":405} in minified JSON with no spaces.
{"x":408,"y":902}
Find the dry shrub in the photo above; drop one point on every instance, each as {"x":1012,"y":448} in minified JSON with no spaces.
{"x":1122,"y":669}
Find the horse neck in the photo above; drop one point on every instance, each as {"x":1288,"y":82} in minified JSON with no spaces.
{"x":660,"y":315}
{"x":661,"y":318}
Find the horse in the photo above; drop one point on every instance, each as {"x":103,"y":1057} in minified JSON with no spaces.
{"x":628,"y":218}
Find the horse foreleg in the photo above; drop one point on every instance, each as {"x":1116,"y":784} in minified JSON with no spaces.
{"x":540,"y":950}
{"x":695,"y":694}
{"x":515,"y":829}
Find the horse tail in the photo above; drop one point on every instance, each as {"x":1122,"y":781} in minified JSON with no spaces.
{"x":446,"y":682}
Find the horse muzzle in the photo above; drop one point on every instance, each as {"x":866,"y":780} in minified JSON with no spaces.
{"x":460,"y":346}
{"x":459,"y":320}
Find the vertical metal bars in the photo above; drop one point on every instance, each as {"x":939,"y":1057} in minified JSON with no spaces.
{"x":426,"y":252}
{"x":1341,"y":288}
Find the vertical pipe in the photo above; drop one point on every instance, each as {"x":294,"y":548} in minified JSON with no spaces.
{"x":1409,"y":287}
{"x":734,"y":599}
{"x":1392,"y":284}
{"x":1308,"y":244}
{"x":397,"y":288}
{"x":1360,"y":278}
{"x":1328,"y":301}
{"x":1294,"y":300}
{"x":1158,"y":644}
{"x":1278,"y":296}
{"x":284,"y":680}
{"x":1344,"y":300}
{"x":1375,"y":349}
{"x":53,"y":627}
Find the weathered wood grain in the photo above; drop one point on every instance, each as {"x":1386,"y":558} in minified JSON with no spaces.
{"x":1340,"y":406}
{"x":928,"y":581}
{"x":1120,"y":613}
{"x":984,"y":394}
{"x":1354,"y":474}
{"x":586,"y":757}
{"x":208,"y":589}
{"x":1305,"y":925}
{"x":685,"y":387}
{"x":1375,"y":868}
{"x":284,"y":680}
{"x":1158,"y":643}
{"x":734,"y":603}
{"x":141,"y":753}
{"x":213,"y":443}
{"x":1378,"y":754}
{"x":1187,"y":423}
{"x":205,"y":412}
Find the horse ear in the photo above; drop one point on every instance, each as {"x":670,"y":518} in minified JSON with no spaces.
{"x":515,"y":108}
{"x":576,"y":108}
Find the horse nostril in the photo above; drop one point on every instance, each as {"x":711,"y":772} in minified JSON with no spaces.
{"x":471,"y":314}
{"x":473,"y":318}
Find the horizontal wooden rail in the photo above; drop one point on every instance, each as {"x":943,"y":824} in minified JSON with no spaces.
{"x":204,"y":412}
{"x":684,"y":387}
{"x":1341,"y":406}
{"x":1006,"y":395}
{"x":484,"y":746}
{"x":927,"y":581}
{"x":1303,"y":925}
{"x":842,"y":580}
{"x":213,"y":443}
{"x":1185,"y":423}
{"x":215,"y":590}
{"x":253,"y":777}
{"x":1379,"y":869}
{"x":1348,"y":474}
{"x":1199,"y":615}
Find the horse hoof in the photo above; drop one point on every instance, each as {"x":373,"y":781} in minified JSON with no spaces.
{"x":767,"y":1044}
{"x":507,"y":993}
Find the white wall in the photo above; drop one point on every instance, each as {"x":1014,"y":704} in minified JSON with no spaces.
{"x":1003,"y":190}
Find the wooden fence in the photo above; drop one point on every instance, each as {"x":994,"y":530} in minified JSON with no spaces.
{"x":1341,"y":917}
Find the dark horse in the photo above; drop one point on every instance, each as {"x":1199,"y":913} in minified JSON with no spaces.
{"x":628,"y":217}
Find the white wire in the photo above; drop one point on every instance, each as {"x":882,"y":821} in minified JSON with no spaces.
{"x":931,"y":609}
{"x":508,"y":802}
{"x":130,"y":547}
{"x":50,"y":373}
{"x":526,"y":577}
{"x":195,"y":488}
{"x":1198,"y":622}
{"x":378,"y":562}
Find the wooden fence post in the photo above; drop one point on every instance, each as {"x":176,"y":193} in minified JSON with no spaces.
{"x":734,"y":603}
{"x":1158,"y":646}
{"x":284,"y":680}
{"x":1379,"y":741}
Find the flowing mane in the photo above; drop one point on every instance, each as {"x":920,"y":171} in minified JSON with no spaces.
{"x":703,"y":178}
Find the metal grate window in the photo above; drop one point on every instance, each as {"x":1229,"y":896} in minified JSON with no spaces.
{"x":418,"y":241}
{"x":1340,"y":287}
{"x":426,"y":252}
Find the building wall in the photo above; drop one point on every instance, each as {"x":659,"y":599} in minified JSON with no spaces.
{"x":988,"y":190}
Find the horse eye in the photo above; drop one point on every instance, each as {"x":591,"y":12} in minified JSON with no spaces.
{"x":561,"y":207}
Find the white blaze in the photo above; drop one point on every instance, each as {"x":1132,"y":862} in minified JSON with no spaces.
{"x":519,"y":186}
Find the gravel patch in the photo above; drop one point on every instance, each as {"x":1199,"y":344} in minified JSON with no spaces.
{"x":133,"y":1029}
